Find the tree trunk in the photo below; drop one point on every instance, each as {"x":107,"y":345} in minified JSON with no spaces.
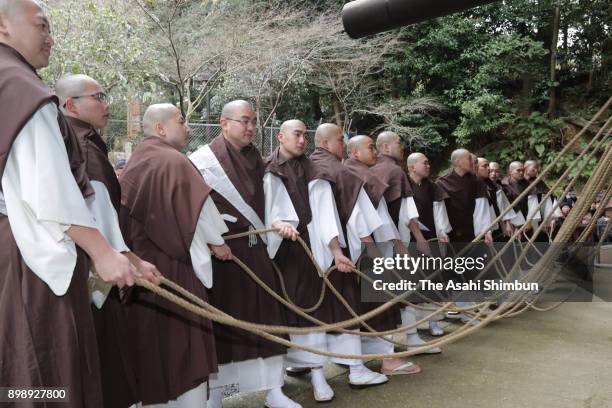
{"x":315,"y":104}
{"x":552,"y":103}
{"x":337,"y":110}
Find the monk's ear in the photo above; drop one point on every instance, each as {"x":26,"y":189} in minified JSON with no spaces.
{"x":69,"y":106}
{"x":281,"y":137}
{"x":159,"y":129}
{"x":223,"y":123}
{"x":4,"y":31}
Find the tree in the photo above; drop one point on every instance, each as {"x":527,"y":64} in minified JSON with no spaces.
{"x":105,"y":41}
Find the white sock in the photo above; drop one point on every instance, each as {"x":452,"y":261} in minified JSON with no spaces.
{"x":317,"y":377}
{"x":414,"y":339}
{"x":434,"y":326}
{"x":276,"y":397}
{"x":357,"y":368}
{"x":215,"y":398}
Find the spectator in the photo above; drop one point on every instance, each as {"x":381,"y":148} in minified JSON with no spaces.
{"x":119,"y":166}
{"x":602,"y":221}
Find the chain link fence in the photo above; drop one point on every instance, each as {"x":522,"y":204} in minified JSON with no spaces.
{"x":201,"y":134}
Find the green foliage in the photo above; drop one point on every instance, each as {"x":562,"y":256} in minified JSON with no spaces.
{"x":532,"y":137}
{"x":479,"y":79}
{"x":105,"y":41}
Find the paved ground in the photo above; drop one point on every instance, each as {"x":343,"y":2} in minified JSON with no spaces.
{"x":561,"y":358}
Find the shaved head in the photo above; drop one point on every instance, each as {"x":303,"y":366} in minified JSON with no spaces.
{"x":414,"y":158}
{"x":386,"y":137}
{"x":69,"y":86}
{"x":293,"y":138}
{"x":329,"y":136}
{"x":494,"y":171}
{"x":166,"y":121}
{"x":356,"y":143}
{"x":363,"y":149}
{"x":326,"y":131}
{"x":230,"y":109}
{"x":532,"y":169}
{"x":82,"y":97}
{"x":514,"y":165}
{"x":238,"y":123}
{"x":158,"y":113}
{"x":390,"y":144}
{"x":462,"y":162}
{"x":418,"y":166}
{"x":25,"y":27}
{"x":12,"y":8}
{"x":288,"y":125}
{"x":515,"y":170}
{"x":458,"y":154}
{"x":482,"y":167}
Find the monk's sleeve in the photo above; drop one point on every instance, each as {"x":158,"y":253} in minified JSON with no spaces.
{"x":325,"y":223}
{"x":441,"y":221}
{"x":532,"y":205}
{"x":209,"y":230}
{"x":364,"y":220}
{"x":105,"y":216}
{"x":482,"y":216}
{"x":502,"y":204}
{"x":551,"y":207}
{"x":408,"y":212}
{"x":43,"y":200}
{"x":278,"y":208}
{"x":388,"y":230}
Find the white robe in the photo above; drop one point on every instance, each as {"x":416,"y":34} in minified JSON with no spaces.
{"x":481,"y":216}
{"x":364,"y":220}
{"x":43,"y":200}
{"x":107,"y":222}
{"x":516,"y":218}
{"x":408,"y":212}
{"x":209,"y":230}
{"x":441,"y":221}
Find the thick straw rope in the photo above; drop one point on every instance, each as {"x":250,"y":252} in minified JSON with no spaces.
{"x":516,"y":303}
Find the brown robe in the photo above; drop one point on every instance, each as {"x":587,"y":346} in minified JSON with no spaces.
{"x":391,"y":173}
{"x":47,"y":340}
{"x":513,"y":189}
{"x":463,"y":192}
{"x":492,"y":189}
{"x":302,"y":280}
{"x":425,"y":194}
{"x":541,"y":189}
{"x":345,"y":186}
{"x":162,"y":195}
{"x":118,"y":375}
{"x":376,"y":189}
{"x":234,"y":291}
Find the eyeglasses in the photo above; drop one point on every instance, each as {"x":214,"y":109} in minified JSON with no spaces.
{"x":245,"y":122}
{"x":99,"y":96}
